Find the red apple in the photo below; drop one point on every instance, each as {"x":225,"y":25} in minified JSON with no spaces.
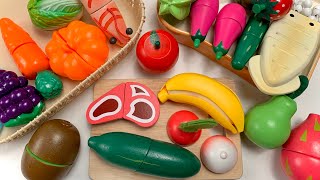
{"x":157,"y":51}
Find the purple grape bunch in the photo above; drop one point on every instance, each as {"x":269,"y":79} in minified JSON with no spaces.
{"x":16,"y":96}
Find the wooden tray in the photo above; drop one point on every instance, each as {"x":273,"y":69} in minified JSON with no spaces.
{"x":101,"y":170}
{"x":180,"y":30}
{"x":134,"y":15}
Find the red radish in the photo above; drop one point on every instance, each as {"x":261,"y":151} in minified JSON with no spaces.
{"x":229,"y":26}
{"x":184,"y":128}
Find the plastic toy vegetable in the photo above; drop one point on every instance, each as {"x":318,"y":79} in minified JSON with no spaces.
{"x":272,"y":9}
{"x":106,"y":14}
{"x":179,"y":9}
{"x":48,"y":84}
{"x":28,"y":56}
{"x":202,"y":91}
{"x":275,"y":71}
{"x":300,"y":156}
{"x":19,"y":103}
{"x":26,"y":117}
{"x":229,"y":25}
{"x":157,"y":51}
{"x":54,"y":14}
{"x":184,"y":127}
{"x":268,"y":125}
{"x":51,"y":151}
{"x":146,"y":155}
{"x":203,"y":13}
{"x":77,"y":50}
{"x":249,"y":41}
{"x":219,"y":154}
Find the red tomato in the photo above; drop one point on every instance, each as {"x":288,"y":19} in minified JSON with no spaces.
{"x":157,"y":58}
{"x":282,"y":8}
{"x":178,"y":136}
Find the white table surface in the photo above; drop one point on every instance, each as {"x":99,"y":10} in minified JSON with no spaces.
{"x":257,"y":163}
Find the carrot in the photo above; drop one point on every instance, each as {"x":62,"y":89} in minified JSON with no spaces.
{"x":28,"y":56}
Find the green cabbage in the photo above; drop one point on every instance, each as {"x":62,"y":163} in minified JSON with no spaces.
{"x":54,"y":14}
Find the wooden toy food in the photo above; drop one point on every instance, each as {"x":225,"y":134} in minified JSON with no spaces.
{"x":28,"y":56}
{"x":229,"y":26}
{"x":203,"y":13}
{"x":106,"y":14}
{"x":209,"y":95}
{"x":300,"y":156}
{"x":282,"y":58}
{"x":272,"y":9}
{"x":131,"y":101}
{"x":144,"y":155}
{"x":77,"y":50}
{"x":48,"y":84}
{"x":249,"y":42}
{"x":179,"y":9}
{"x":184,"y":127}
{"x":51,"y":151}
{"x":219,"y":154}
{"x":19,"y":102}
{"x":268,"y":125}
{"x":304,"y":83}
{"x":54,"y":14}
{"x":157,"y":51}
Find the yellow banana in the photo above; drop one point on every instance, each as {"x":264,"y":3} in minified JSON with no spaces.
{"x":209,"y":95}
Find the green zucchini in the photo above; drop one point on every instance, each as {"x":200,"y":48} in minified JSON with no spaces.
{"x":249,"y":42}
{"x":145,"y":155}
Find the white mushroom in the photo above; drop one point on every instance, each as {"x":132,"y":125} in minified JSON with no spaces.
{"x":297,"y":7}
{"x":306,"y":11}
{"x":316,"y":11}
{"x":299,"y":2}
{"x":313,"y":18}
{"x":307,"y":4}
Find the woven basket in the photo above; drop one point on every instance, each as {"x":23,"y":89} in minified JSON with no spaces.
{"x":133,"y":6}
{"x":180,"y":30}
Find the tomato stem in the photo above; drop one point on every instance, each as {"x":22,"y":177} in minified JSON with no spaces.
{"x":194,"y":126}
{"x":155,"y":40}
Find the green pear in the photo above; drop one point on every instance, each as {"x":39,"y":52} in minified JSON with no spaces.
{"x":268,"y":125}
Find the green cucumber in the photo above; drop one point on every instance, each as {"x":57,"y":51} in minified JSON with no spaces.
{"x":249,"y":41}
{"x":145,"y":155}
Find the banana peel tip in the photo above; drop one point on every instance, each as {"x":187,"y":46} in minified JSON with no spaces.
{"x":163,"y":95}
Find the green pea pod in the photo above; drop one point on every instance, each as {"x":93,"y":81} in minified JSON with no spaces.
{"x":249,"y":42}
{"x":145,"y":155}
{"x":25,"y":118}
